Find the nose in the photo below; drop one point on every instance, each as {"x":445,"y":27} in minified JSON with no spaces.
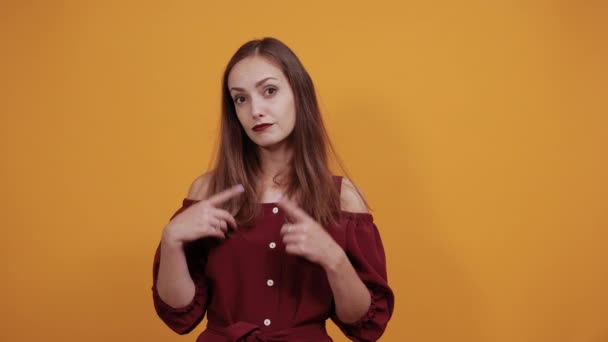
{"x":256,"y":108}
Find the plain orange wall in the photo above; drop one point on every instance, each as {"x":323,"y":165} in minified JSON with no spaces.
{"x":477,"y":130}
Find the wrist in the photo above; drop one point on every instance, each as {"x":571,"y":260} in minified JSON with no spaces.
{"x":168,"y":238}
{"x":335,"y":261}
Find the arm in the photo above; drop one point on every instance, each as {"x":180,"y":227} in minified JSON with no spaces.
{"x":351,"y":297}
{"x":180,"y":289}
{"x":357,"y":274}
{"x":174,"y":283}
{"x":366,"y":258}
{"x":183,"y":318}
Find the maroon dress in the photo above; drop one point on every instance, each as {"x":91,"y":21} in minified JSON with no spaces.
{"x":252,"y":290}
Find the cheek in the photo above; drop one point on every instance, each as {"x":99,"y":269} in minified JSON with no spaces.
{"x":289,"y":111}
{"x":241,"y":116}
{"x":292,"y":116}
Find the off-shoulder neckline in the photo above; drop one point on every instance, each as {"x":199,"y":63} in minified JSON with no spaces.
{"x":268,"y":205}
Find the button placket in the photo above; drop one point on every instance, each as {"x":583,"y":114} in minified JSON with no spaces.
{"x":270,"y":282}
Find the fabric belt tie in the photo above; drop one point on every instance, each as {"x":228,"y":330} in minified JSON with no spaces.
{"x":249,"y":332}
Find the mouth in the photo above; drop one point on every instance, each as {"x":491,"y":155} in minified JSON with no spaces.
{"x":261,"y":127}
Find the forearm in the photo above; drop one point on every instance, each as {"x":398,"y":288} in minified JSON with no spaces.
{"x":174,"y":284}
{"x":351,"y":296}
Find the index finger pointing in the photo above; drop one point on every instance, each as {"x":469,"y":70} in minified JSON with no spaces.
{"x":225,"y":195}
{"x":292,"y":210}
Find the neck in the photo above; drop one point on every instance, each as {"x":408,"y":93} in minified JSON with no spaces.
{"x":274,"y":162}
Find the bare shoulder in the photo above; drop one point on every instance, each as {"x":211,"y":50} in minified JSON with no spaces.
{"x":199,"y":187}
{"x":350,"y":198}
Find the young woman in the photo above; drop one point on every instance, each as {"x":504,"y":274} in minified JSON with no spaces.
{"x":269,"y":243}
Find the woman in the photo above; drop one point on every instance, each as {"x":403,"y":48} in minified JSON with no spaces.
{"x":269,"y":243}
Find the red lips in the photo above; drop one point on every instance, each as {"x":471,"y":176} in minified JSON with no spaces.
{"x":261,"y":127}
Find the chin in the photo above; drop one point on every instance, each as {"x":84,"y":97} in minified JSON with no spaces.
{"x":269,"y":143}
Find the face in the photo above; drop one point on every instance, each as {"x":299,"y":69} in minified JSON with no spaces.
{"x":263,"y":100}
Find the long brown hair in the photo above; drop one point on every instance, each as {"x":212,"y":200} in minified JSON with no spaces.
{"x":309,"y":179}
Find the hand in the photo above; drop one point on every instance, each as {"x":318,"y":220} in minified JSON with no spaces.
{"x":305,"y":237}
{"x":202,"y":219}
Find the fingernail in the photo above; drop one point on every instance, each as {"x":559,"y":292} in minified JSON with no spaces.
{"x":240,"y":188}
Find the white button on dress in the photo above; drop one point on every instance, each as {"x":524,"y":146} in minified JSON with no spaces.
{"x":270,"y":282}
{"x":266,"y":322}
{"x":272,"y":245}
{"x":275,"y":210}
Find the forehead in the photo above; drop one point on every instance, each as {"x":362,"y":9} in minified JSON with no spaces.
{"x":250,"y":70}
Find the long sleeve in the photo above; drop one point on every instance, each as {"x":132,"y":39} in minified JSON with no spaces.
{"x":365,"y":251}
{"x":183,"y":320}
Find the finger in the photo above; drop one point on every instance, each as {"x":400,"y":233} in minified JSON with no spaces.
{"x":293,"y":249}
{"x":290,"y":239}
{"x":292,"y":210}
{"x":288,"y":228}
{"x":212,"y":232}
{"x":224,"y":215}
{"x":215,"y":224}
{"x":223,"y":226}
{"x":225,"y":195}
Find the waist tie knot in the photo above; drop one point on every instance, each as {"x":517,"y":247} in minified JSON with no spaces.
{"x":249,"y":332}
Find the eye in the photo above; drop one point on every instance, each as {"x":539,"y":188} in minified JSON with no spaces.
{"x":271,"y":90}
{"x":239,"y":99}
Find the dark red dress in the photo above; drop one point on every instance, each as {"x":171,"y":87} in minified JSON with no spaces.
{"x":252,"y":290}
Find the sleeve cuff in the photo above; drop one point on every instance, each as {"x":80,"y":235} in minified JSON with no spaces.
{"x":368,"y":317}
{"x":162,"y":305}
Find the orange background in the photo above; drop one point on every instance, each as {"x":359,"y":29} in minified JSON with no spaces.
{"x":477,"y":130}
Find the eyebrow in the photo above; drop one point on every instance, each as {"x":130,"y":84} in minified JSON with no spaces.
{"x":257,"y":84}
